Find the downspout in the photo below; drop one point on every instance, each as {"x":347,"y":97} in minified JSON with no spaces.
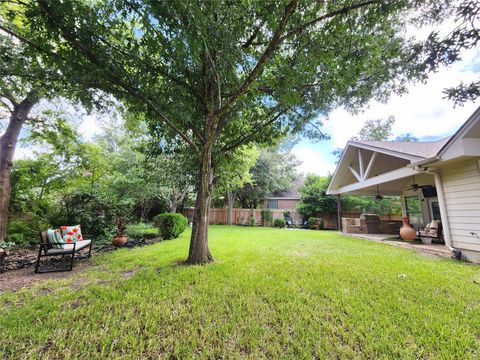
{"x":443,"y":209}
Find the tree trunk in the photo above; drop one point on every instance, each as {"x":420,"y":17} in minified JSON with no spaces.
{"x":172,"y":206}
{"x":199,"y":252}
{"x":8,"y":142}
{"x":230,"y":203}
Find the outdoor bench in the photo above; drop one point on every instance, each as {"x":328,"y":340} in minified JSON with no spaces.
{"x":68,"y":249}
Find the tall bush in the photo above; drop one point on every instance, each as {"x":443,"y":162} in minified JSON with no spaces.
{"x":171,"y":225}
{"x":267,"y":217}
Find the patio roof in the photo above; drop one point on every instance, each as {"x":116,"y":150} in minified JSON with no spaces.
{"x":418,"y":149}
{"x":369,"y":166}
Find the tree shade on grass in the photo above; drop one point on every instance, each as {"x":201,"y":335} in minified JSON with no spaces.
{"x":272,"y":293}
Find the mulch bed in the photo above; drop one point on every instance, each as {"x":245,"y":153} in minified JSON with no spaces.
{"x":21,"y":258}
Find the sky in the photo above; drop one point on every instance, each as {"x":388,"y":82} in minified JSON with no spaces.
{"x":423,"y":112}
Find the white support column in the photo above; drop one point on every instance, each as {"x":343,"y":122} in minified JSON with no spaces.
{"x":361,"y":166}
{"x":404,"y":208}
{"x":443,"y":210}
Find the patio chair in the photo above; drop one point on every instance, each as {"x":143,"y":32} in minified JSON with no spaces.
{"x":433,"y":231}
{"x":49,"y":249}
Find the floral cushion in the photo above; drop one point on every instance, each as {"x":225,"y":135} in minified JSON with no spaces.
{"x":54,"y":237}
{"x":71,"y":234}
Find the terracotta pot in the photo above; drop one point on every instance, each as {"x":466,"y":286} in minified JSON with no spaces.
{"x":407,"y":233}
{"x":119,"y":240}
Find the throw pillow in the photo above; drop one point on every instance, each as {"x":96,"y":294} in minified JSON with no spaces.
{"x":71,"y":234}
{"x":55,"y":238}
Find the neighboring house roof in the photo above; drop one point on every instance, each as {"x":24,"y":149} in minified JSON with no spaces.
{"x":292,"y":194}
{"x":424,"y":149}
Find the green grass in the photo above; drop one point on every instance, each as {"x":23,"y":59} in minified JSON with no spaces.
{"x":141,"y":230}
{"x":272,"y":293}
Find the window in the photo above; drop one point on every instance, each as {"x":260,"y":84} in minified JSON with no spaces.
{"x":272,"y":204}
{"x":414,"y":210}
{"x":434,"y":209}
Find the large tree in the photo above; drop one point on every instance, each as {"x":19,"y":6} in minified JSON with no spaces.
{"x":220,"y":74}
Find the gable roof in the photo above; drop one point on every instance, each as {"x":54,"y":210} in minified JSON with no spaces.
{"x":473,"y":120}
{"x":415,"y":153}
{"x":424,"y":149}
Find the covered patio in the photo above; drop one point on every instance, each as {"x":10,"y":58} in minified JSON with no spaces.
{"x":432,"y":249}
{"x":379,"y":169}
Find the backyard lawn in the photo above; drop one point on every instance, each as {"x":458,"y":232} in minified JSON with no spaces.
{"x":271,"y":293}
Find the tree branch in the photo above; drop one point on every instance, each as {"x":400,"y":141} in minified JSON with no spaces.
{"x":341,"y":11}
{"x":87,"y":51}
{"x":248,"y":136}
{"x":258,"y":69}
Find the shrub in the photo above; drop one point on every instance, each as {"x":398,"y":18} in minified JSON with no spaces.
{"x":142,"y":231}
{"x":279,"y":223}
{"x":267,"y":217}
{"x":287,"y":214}
{"x":25,"y":231}
{"x":94,"y":211}
{"x":170,"y":225}
{"x":313,"y":223}
{"x":251,"y":219}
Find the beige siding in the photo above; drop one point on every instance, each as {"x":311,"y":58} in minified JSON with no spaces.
{"x":461,"y":186}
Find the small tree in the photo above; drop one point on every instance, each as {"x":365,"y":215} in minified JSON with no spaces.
{"x":314,"y":198}
{"x":376,"y":130}
{"x":267,"y":217}
{"x":233,"y":174}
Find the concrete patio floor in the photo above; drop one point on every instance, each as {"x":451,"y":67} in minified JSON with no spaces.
{"x":433,"y":249}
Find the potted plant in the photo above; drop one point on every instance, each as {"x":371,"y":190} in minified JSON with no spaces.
{"x":120,"y":239}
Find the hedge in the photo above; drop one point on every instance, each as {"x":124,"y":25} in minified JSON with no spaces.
{"x":279,"y":223}
{"x":170,"y":225}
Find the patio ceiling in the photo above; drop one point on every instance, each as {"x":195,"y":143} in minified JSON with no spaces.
{"x":363,"y":167}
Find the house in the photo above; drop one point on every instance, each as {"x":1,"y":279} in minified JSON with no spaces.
{"x":286,"y":200}
{"x":436,"y":180}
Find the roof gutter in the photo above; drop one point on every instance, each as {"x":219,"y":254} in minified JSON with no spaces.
{"x":425,"y":161}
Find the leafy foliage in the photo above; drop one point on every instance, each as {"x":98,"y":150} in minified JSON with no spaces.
{"x":279,"y":223}
{"x":142,"y":231}
{"x":274,"y":170}
{"x":376,"y":130}
{"x":314,"y":198}
{"x":170,"y":225}
{"x":267,"y":217}
{"x":442,"y":50}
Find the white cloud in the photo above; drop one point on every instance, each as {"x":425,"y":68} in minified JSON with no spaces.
{"x":423,"y":111}
{"x":313,"y":160}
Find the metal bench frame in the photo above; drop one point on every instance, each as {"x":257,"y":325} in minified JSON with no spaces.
{"x":45,"y":246}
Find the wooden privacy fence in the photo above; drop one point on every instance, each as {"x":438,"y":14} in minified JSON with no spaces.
{"x":242,"y":216}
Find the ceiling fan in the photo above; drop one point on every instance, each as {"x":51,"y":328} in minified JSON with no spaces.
{"x":416,"y":186}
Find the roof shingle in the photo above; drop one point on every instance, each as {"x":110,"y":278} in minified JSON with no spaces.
{"x":424,"y":149}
